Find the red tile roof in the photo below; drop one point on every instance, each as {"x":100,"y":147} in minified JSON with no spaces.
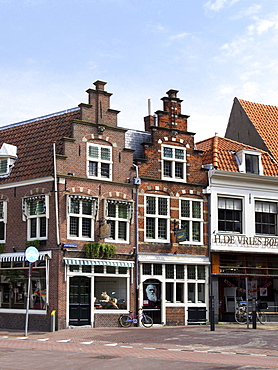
{"x":218,"y":151}
{"x":265,"y":120}
{"x":34,"y":141}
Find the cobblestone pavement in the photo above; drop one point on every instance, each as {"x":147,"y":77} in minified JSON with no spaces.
{"x":233,"y":344}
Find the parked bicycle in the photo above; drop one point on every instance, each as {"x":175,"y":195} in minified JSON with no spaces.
{"x":127,"y":320}
{"x":241,"y":313}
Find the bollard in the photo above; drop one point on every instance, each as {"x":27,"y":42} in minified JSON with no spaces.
{"x":254,"y":313}
{"x":53,"y":317}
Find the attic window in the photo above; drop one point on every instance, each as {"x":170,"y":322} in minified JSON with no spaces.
{"x":249,"y":161}
{"x":7,"y":159}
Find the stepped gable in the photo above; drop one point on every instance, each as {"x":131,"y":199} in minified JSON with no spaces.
{"x":265,"y":120}
{"x":219,"y":152}
{"x":34,"y":141}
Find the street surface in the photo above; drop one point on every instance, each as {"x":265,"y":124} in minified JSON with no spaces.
{"x":189,"y":347}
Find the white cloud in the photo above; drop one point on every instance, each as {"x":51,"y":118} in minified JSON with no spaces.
{"x":263,"y":25}
{"x":244,"y":13}
{"x":179,"y":36}
{"x":216,"y":5}
{"x":237,"y":46}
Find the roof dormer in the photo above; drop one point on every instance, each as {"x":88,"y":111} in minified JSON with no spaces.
{"x":7,"y":159}
{"x":249,"y":161}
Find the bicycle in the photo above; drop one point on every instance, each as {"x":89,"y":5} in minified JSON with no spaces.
{"x":241,"y":314}
{"x":127,"y":320}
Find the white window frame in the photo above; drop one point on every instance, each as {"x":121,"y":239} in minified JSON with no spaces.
{"x":118,"y":219}
{"x":27,"y":217}
{"x":196,"y":281}
{"x":156,"y":216}
{"x":241,"y":154}
{"x":173,"y":160}
{"x":272,"y":209}
{"x":192,"y":219}
{"x":99,"y":161}
{"x":227,"y":197}
{"x":80,"y":216}
{"x":3,"y":218}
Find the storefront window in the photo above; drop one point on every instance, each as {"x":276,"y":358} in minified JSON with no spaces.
{"x":110,"y":293}
{"x":14,"y":286}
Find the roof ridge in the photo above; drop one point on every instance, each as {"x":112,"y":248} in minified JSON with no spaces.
{"x":40,"y":118}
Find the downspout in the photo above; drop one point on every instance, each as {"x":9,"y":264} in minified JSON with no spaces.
{"x":136,"y":182}
{"x":56,"y":194}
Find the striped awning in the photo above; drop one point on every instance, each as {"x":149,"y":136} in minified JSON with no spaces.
{"x":88,"y":262}
{"x":20,"y":256}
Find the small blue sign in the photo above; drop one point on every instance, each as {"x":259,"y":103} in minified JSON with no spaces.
{"x":31,"y":254}
{"x":181,"y":235}
{"x":70,"y":246}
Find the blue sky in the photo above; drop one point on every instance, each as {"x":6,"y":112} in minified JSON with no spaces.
{"x":51,"y":52}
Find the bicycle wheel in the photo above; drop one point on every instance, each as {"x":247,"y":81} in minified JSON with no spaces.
{"x":147,"y":321}
{"x":125,"y":321}
{"x":241,"y":318}
{"x":261,"y":317}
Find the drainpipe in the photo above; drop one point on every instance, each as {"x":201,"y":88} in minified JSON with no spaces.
{"x":56,"y":194}
{"x":136,"y":182}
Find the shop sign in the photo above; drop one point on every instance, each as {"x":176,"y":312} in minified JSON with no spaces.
{"x":245,"y":241}
{"x":181,"y":235}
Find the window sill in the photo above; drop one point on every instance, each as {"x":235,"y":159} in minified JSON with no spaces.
{"x":22,"y":311}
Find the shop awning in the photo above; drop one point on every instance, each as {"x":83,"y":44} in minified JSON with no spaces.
{"x":20,"y":256}
{"x":89,"y":262}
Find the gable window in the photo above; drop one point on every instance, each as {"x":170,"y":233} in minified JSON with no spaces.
{"x":81,"y":215}
{"x":100,"y":161}
{"x":191,"y":216}
{"x":157,"y":218}
{"x":266,"y":218}
{"x":3,"y":220}
{"x":7,"y":159}
{"x":230,"y":215}
{"x":173,"y":163}
{"x":119,"y":214}
{"x":36,"y":211}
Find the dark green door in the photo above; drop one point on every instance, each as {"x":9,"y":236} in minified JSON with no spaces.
{"x":80,"y":301}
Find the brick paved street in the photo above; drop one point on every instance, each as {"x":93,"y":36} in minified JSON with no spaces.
{"x":229,"y":345}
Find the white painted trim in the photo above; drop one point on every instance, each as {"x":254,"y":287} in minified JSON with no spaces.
{"x":27,"y":182}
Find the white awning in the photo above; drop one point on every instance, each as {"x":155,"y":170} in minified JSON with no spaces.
{"x":89,"y":262}
{"x":20,"y":256}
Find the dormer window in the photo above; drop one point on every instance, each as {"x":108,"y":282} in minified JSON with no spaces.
{"x":173,"y":163}
{"x":7,"y":158}
{"x":250,"y":161}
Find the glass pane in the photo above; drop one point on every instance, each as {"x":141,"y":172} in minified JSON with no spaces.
{"x":150,"y":205}
{"x":122,"y":270}
{"x":122,"y":211}
{"x":191,"y":272}
{"x":179,"y":153}
{"x":191,"y":292}
{"x":3,"y":166}
{"x":196,"y":209}
{"x":179,"y":271}
{"x":150,"y":228}
{"x":98,"y":269}
{"x":93,"y":168}
{"x":110,"y":269}
{"x":113,"y":229}
{"x":168,"y":152}
{"x":163,"y":206}
{"x":93,"y":151}
{"x":179,"y":170}
{"x":201,"y":272}
{"x":180,"y":292}
{"x":157,"y":269}
{"x":74,"y":206}
{"x":196,"y":231}
{"x":86,"y":227}
{"x":105,"y":154}
{"x":167,"y":169}
{"x":105,"y":170}
{"x":36,"y":207}
{"x":170,"y":271}
{"x":42,"y":221}
{"x":185,"y":208}
{"x":33,"y":227}
{"x":86,"y":207}
{"x":162,"y":229}
{"x":1,"y":210}
{"x":170,"y":292}
{"x":122,"y":230}
{"x":111,"y":209}
{"x":147,"y":268}
{"x":185,"y":227}
{"x":74,"y":221}
{"x":201,"y":293}
{"x":86,"y":269}
{"x":110,"y":292}
{"x":2,"y":230}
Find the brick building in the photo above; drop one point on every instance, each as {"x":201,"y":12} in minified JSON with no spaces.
{"x":67,"y":187}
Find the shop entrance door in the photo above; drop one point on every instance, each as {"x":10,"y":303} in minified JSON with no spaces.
{"x":152,"y":299}
{"x":80,"y":301}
